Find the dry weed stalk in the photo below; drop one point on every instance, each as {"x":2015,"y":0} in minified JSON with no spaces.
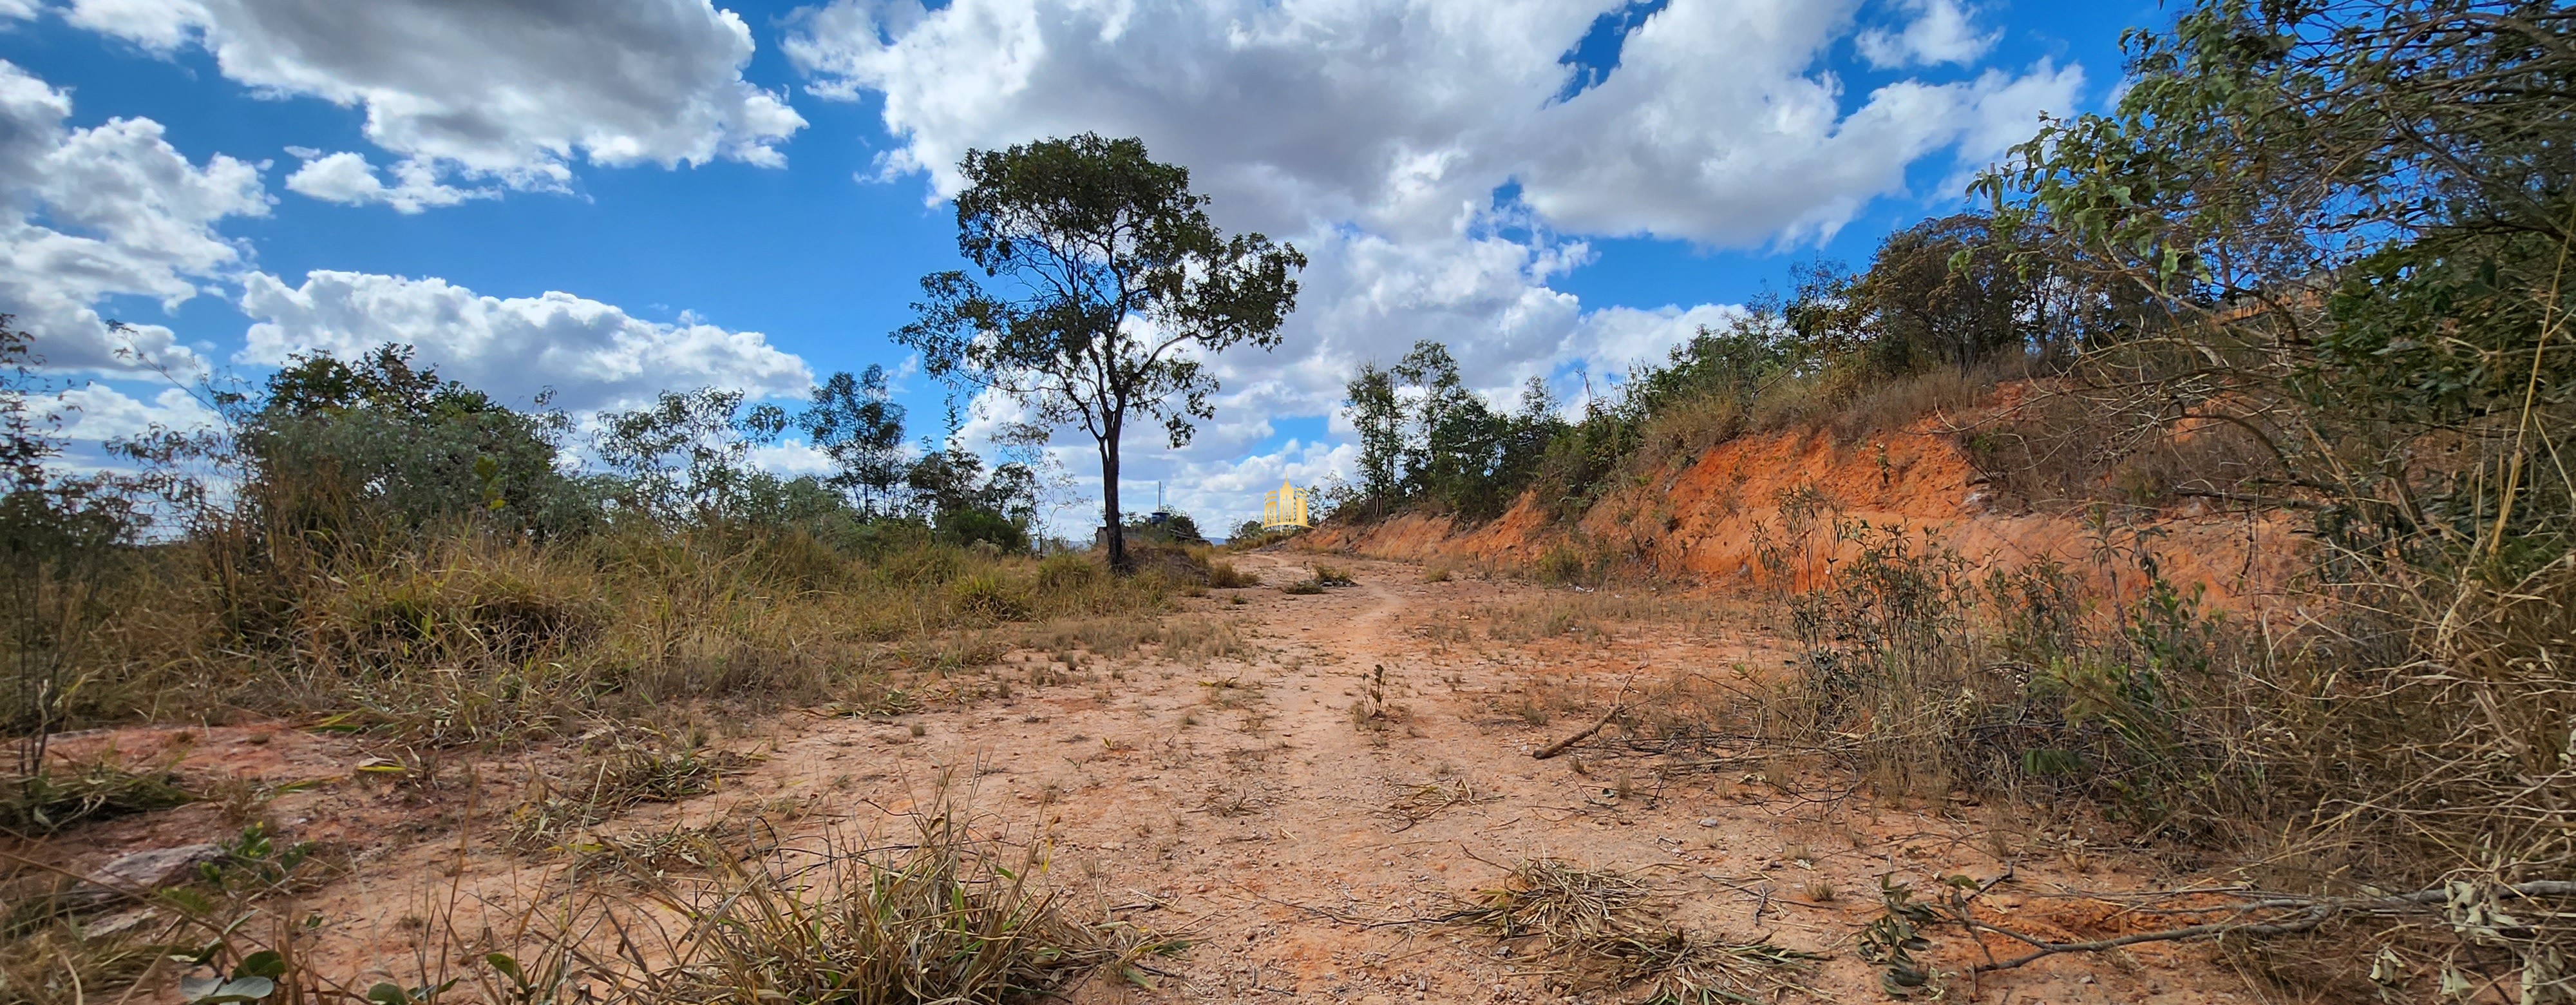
{"x":939,"y":915}
{"x":1607,"y":932}
{"x":1411,"y":804}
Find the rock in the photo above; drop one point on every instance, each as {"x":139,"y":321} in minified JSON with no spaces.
{"x":120,"y":924}
{"x":1708,"y":821}
{"x":146,"y":870}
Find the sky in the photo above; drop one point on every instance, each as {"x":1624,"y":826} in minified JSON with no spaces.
{"x":600,"y":199}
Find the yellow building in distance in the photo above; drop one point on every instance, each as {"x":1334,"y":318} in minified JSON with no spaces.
{"x":1284,"y":508}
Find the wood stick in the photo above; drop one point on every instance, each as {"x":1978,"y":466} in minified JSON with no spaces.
{"x":2313,"y":914}
{"x":1553,"y":749}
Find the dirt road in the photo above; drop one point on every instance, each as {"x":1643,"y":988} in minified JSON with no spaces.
{"x":1291,"y":781}
{"x":1366,"y":759}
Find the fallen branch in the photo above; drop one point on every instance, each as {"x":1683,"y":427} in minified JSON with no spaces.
{"x":2310,"y":914}
{"x":1553,"y":749}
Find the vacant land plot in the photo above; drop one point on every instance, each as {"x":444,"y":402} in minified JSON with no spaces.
{"x":1322,"y":796}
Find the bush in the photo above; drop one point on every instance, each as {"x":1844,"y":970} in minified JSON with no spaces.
{"x":1224,"y":576}
{"x":1065,"y":572}
{"x":990,"y":596}
{"x":455,"y":608}
{"x":1560,"y":564}
{"x":347,"y":451}
{"x":966,"y":527}
{"x":1256,"y":537}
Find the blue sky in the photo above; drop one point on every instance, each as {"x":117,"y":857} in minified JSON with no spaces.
{"x":746,"y":195}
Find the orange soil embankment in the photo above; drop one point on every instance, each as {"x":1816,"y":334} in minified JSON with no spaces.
{"x":1705,"y":519}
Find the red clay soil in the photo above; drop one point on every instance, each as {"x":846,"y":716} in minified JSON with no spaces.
{"x":1700,"y":521}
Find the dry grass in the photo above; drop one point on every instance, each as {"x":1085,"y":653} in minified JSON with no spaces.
{"x":621,"y":774}
{"x":1598,"y":615}
{"x":1223,"y":575}
{"x":2397,"y":735}
{"x":1607,"y":932}
{"x":1891,"y":406}
{"x":1111,"y":638}
{"x":937,"y":915}
{"x":65,"y":942}
{"x":1195,"y":641}
{"x":65,"y":793}
{"x":56,"y":949}
{"x":2060,"y":451}
{"x":475,"y":638}
{"x":1411,"y":803}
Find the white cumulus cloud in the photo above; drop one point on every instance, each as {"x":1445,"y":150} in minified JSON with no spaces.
{"x":1427,"y":156}
{"x":592,"y":355}
{"x":1719,"y":125}
{"x":109,"y":210}
{"x":1942,"y":32}
{"x":512,"y":91}
{"x":348,"y":179}
{"x":94,"y":413}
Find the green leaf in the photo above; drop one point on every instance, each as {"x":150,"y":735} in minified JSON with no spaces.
{"x":2050,"y":761}
{"x":265,"y":963}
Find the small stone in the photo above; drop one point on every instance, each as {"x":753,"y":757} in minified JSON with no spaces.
{"x":119,"y":924}
{"x":143,"y":871}
{"x":1708,"y":821}
{"x":148,"y":870}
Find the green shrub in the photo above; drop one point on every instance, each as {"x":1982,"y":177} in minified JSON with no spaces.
{"x":1560,"y":564}
{"x":966,"y":527}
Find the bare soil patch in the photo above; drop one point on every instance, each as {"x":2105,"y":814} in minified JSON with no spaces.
{"x":1316,"y":790}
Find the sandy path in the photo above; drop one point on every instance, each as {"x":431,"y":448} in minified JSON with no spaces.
{"x":1265,"y":831}
{"x":1240,"y":802}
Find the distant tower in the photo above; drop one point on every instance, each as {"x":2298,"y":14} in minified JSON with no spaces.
{"x":1285,"y":508}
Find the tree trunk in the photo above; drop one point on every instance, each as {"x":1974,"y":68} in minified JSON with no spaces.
{"x":1116,"y":527}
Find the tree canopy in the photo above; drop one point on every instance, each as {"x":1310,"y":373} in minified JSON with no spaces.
{"x":1104,"y":288}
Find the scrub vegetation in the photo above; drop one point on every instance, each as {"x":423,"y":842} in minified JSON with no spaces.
{"x":2314,"y":267}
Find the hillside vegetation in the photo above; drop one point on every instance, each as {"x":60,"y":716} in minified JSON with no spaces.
{"x":367,"y":542}
{"x":2303,"y":293}
{"x":2310,"y":276}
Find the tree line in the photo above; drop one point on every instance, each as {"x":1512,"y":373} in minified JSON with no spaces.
{"x":1946,"y":294}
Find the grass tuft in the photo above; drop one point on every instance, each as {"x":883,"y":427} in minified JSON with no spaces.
{"x":1607,"y":932}
{"x":940,"y":916}
{"x":65,"y":794}
{"x":559,"y":810}
{"x":1224,"y":576}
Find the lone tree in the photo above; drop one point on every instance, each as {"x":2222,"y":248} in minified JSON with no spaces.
{"x":1107,"y":287}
